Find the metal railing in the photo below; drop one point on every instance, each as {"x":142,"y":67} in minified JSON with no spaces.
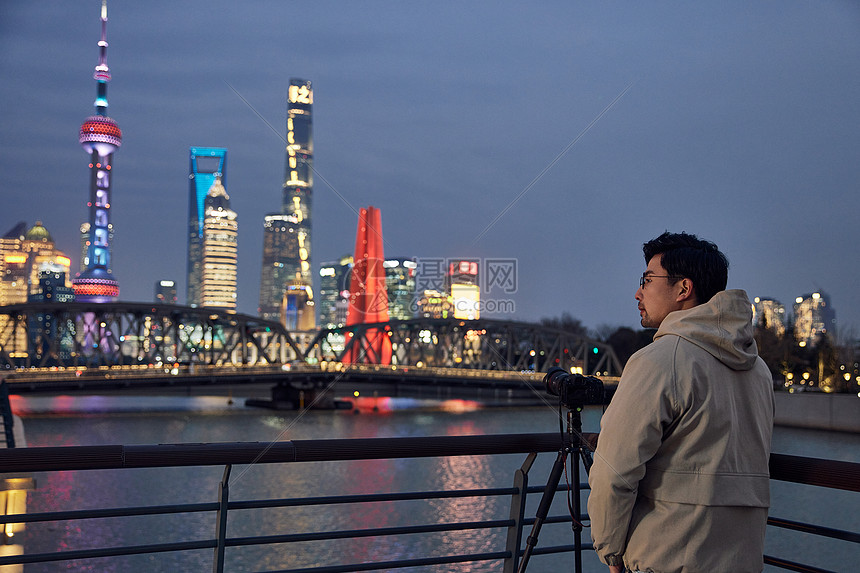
{"x":823,"y":473}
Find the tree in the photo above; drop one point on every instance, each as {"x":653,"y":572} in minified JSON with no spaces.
{"x":566,"y":323}
{"x":603,"y":331}
{"x":626,"y":341}
{"x":773,"y":350}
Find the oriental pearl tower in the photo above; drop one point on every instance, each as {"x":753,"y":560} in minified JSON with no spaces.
{"x":100,"y":136}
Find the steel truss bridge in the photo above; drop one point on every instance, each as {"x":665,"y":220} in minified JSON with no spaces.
{"x":88,"y":344}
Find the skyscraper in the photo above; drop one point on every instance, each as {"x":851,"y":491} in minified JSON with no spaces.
{"x":769,"y":313}
{"x":13,"y":267}
{"x":813,"y":317}
{"x":206,"y":165}
{"x":287,"y":236}
{"x":334,"y":292}
{"x":220,"y":233}
{"x":13,"y":286}
{"x":281,"y":265}
{"x":463,"y":286}
{"x":44,"y":327}
{"x":100,"y":136}
{"x":400,"y":284}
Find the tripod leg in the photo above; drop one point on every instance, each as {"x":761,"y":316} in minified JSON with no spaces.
{"x":577,"y":526}
{"x":543,"y":508}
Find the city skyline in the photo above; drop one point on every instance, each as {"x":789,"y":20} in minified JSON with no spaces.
{"x":474,"y":136}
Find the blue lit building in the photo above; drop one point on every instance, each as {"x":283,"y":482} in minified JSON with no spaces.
{"x":206,"y":165}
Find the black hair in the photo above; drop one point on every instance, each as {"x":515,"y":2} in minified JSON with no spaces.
{"x":688,"y":256}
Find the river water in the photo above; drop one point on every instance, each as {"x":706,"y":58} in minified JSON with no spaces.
{"x":159,"y":420}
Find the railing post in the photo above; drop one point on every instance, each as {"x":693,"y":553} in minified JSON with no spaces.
{"x":221,"y":523}
{"x":6,"y":413}
{"x":518,"y":511}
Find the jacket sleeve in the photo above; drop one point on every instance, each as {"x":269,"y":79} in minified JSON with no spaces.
{"x":631,"y":432}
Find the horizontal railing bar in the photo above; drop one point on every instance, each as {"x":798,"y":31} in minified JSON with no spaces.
{"x":561,"y":487}
{"x":109,"y":512}
{"x":813,"y":471}
{"x":376,"y":532}
{"x":61,"y":458}
{"x":422,"y":447}
{"x":370,"y":498}
{"x":107,"y":552}
{"x":264,"y":504}
{"x":250,"y":504}
{"x":564,"y":518}
{"x":557,"y":549}
{"x":814,"y":529}
{"x":792,"y":566}
{"x":401,"y":563}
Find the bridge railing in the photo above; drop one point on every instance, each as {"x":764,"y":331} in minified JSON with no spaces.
{"x":823,"y":473}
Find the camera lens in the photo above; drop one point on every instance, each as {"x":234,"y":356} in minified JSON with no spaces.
{"x":555,"y":380}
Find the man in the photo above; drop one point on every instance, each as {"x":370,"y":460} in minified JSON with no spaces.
{"x":680,"y":478}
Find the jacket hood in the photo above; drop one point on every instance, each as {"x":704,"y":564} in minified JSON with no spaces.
{"x":722,"y":326}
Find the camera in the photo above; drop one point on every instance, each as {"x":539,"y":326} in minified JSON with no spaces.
{"x":574,"y":390}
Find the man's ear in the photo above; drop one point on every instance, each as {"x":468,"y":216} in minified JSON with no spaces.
{"x":686,"y":293}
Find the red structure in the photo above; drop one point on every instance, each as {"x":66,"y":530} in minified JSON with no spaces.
{"x":368,"y":297}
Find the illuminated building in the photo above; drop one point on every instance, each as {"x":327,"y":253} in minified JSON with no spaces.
{"x":297,"y":308}
{"x":769,"y":314}
{"x":813,"y":317}
{"x":465,"y":293}
{"x":220,"y":234}
{"x":165,"y":292}
{"x":206,"y":165}
{"x":100,"y":136}
{"x":27,"y":257}
{"x":13,"y":284}
{"x":13,"y":267}
{"x":52,"y":287}
{"x":287,"y":259}
{"x":281,"y":265}
{"x":334,"y":292}
{"x":400,"y":284}
{"x":435,"y":304}
{"x":38,"y":245}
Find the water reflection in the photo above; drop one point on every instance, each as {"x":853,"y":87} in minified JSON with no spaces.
{"x":213,"y":420}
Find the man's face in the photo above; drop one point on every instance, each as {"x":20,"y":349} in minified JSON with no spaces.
{"x":658,"y":296}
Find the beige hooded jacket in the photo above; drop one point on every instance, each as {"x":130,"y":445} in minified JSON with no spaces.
{"x":680,"y":478}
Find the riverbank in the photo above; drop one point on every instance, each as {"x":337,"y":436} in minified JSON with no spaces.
{"x":818,"y":411}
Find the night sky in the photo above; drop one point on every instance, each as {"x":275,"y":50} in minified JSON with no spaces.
{"x":559,"y":134}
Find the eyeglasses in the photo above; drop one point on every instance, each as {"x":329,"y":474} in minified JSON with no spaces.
{"x":645,"y":279}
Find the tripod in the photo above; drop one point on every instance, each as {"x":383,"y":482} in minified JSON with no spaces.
{"x":576,"y":448}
